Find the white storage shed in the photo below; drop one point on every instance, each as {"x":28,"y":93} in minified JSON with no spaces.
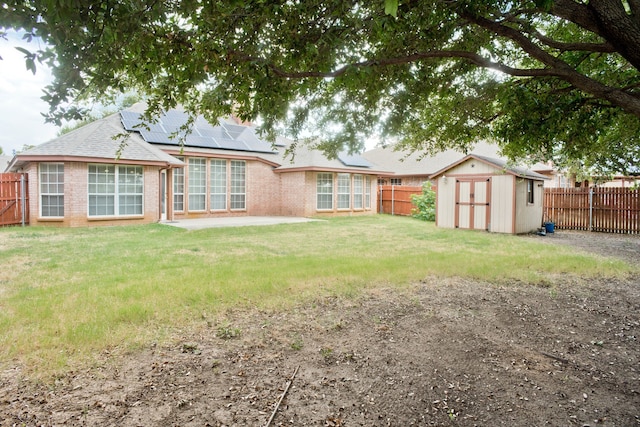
{"x":483,"y":193}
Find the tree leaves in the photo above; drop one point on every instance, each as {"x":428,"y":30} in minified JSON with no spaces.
{"x":391,"y":7}
{"x":428,"y":74}
{"x":29,"y":59}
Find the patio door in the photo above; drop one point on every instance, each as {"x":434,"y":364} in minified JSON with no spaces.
{"x":472,"y":203}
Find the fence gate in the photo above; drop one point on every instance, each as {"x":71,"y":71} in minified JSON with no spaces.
{"x":396,"y":199}
{"x":14,"y":199}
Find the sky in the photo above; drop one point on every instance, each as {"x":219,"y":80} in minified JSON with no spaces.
{"x":21,"y":109}
{"x":21,"y":121}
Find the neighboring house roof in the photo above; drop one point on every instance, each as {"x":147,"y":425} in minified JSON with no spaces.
{"x":304,"y":158}
{"x":104,"y":139}
{"x":498,"y":163}
{"x":417,"y":164}
{"x":405,"y":164}
{"x":4,"y":163}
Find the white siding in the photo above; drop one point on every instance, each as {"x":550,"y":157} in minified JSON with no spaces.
{"x":446,"y":202}
{"x":528,"y":216}
{"x":472,"y":167}
{"x":502,"y":204}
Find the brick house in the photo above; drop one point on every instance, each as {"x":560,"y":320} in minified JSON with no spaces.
{"x":117,"y":171}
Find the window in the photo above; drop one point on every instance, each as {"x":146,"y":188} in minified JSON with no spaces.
{"x":367,"y":192}
{"x":530,"y":188}
{"x":51,"y":189}
{"x":218,"y":190}
{"x":197,"y":184}
{"x":396,"y":181}
{"x":115,"y":191}
{"x":358,"y":191}
{"x":344,"y":191}
{"x":238,"y":185}
{"x":324,"y":191}
{"x":178,"y":188}
{"x":130,"y":190}
{"x":102,"y":190}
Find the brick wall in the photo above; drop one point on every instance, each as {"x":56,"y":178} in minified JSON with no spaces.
{"x":76,"y":198}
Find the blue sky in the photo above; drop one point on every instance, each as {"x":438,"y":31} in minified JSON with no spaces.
{"x":21,"y":121}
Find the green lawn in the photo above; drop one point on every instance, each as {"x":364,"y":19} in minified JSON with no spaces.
{"x":66,"y":294}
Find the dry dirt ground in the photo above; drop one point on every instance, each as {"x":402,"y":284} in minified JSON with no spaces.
{"x":445,"y":353}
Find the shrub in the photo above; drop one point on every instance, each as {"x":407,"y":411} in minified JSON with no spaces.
{"x":425,"y":203}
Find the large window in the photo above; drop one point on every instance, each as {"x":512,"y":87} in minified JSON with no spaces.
{"x":352,"y":191}
{"x":130,"y":190}
{"x":115,"y":190}
{"x":344,"y":191}
{"x":218,"y":185}
{"x":324,"y":191}
{"x":197,"y":184}
{"x":238,"y":185}
{"x":358,"y":191}
{"x":51,"y":189}
{"x":178,"y":188}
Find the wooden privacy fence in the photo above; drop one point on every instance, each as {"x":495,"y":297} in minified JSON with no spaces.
{"x":610,"y":210}
{"x":14,"y":200}
{"x":396,"y":199}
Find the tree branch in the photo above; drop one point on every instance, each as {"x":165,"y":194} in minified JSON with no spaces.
{"x":559,"y":68}
{"x":416,"y":57}
{"x":563,"y":47}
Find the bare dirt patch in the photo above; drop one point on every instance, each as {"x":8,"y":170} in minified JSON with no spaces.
{"x":444,"y":352}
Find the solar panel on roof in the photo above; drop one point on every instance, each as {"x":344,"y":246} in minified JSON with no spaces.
{"x":159,"y":138}
{"x":203,"y":134}
{"x":234,"y":131}
{"x":353,"y":160}
{"x":199,"y":141}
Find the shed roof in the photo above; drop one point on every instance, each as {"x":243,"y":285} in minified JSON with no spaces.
{"x":403,"y":163}
{"x":498,"y":164}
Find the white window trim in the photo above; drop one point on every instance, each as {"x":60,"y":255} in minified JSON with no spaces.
{"x":50,"y":194}
{"x":116,"y":193}
{"x":188,"y":188}
{"x":225,"y":162}
{"x":332,"y":193}
{"x":231,"y":185}
{"x":181,"y":175}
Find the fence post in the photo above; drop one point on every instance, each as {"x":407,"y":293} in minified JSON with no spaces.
{"x":393,"y":199}
{"x":380,"y":201}
{"x":22,"y":195}
{"x":590,"y":208}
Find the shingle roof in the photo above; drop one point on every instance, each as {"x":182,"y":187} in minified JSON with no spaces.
{"x":402,"y":163}
{"x":307,"y":158}
{"x":96,"y":141}
{"x":4,"y":162}
{"x":498,"y":163}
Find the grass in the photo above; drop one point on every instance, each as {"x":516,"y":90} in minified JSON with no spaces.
{"x":68,"y":294}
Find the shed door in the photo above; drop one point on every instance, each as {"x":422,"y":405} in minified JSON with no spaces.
{"x":472,"y":203}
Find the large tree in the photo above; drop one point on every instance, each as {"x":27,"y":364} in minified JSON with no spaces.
{"x":546,"y":78}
